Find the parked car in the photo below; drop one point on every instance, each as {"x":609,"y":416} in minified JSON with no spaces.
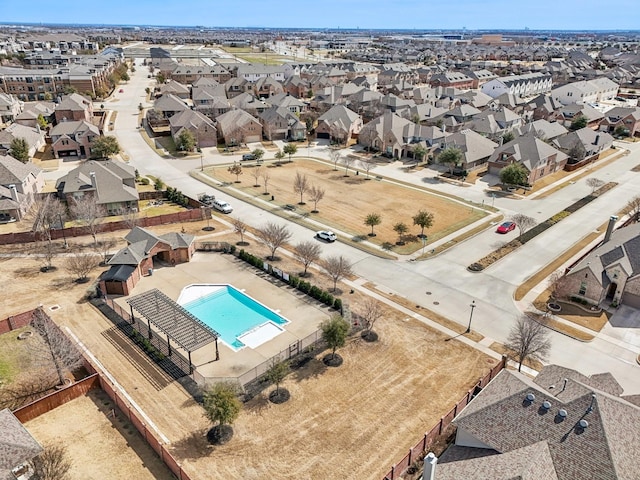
{"x":326,"y":235}
{"x":121,"y":90}
{"x":248,"y":156}
{"x":6,"y":218}
{"x":222,"y":206}
{"x":506,"y":227}
{"x":207,"y":199}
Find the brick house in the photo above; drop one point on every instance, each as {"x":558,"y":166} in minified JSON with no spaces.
{"x":202,"y":128}
{"x":611,"y":272}
{"x":143,"y":251}
{"x":339,"y":124}
{"x":73,"y":138}
{"x":237,"y":127}
{"x":19,"y":184}
{"x":74,"y":107}
{"x":537,"y":157}
{"x":625,"y":117}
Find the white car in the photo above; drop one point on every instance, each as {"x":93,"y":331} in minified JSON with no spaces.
{"x":326,"y":235}
{"x":222,"y":206}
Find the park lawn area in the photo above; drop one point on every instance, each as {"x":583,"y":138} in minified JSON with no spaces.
{"x":349,"y":199}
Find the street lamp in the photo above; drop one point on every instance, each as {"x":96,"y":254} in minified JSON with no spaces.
{"x":473,"y":305}
{"x":201,"y":162}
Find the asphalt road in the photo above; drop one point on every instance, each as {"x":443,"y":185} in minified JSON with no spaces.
{"x":445,"y":276}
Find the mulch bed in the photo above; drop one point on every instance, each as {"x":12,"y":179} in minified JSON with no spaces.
{"x":331,"y":360}
{"x":220,"y":434}
{"x":279,"y":396}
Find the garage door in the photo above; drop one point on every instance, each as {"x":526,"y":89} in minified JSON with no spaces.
{"x":631,"y":300}
{"x":322,"y":135}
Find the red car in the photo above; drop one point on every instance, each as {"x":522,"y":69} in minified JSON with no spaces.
{"x":506,"y":227}
{"x":121,"y":90}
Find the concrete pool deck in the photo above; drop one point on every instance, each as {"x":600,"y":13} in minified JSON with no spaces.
{"x":304,"y":313}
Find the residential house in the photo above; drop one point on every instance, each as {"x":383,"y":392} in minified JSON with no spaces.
{"x":34,"y":136}
{"x":476,"y":99}
{"x":33,"y":110}
{"x":495,"y":123}
{"x":111,"y":182}
{"x":560,"y":425}
{"x":543,"y":107}
{"x":279,"y":123}
{"x":626,"y":119}
{"x":10,"y":108}
{"x":17,"y":448}
{"x":238,"y":86}
{"x":250,"y":104}
{"x":74,"y":107}
{"x":200,"y":126}
{"x":568,"y":113}
{"x":339,"y":124}
{"x":189,"y":74}
{"x":537,"y":157}
{"x":175,"y":88}
{"x":266,"y":86}
{"x":19,"y":184}
{"x":395,"y":104}
{"x":252,"y":72}
{"x":583,"y":146}
{"x":426,"y":113}
{"x":458,"y":80}
{"x":476,"y":149}
{"x":611,"y":272}
{"x":480,"y":77}
{"x":236,"y":127}
{"x":209,"y":97}
{"x":73,"y":138}
{"x":296,"y":86}
{"x":144,"y":250}
{"x":542,"y":129}
{"x":592,"y":91}
{"x":287,"y":101}
{"x":168,"y":105}
{"x":526,"y":85}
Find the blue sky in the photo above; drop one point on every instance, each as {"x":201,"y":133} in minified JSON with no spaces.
{"x":409,"y":14}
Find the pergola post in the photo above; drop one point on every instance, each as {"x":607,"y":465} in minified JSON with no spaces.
{"x":217,"y":352}
{"x":133,"y":320}
{"x":169,"y":345}
{"x":149,"y":327}
{"x":190,"y":365}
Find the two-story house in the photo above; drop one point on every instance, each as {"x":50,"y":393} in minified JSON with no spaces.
{"x":19,"y":184}
{"x":73,"y":138}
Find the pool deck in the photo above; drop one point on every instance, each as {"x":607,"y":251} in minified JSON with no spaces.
{"x":304,"y":313}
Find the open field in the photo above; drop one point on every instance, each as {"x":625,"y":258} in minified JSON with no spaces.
{"x":348,"y":200}
{"x":99,"y":444}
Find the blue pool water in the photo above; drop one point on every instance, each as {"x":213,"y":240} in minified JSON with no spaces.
{"x":231,"y":313}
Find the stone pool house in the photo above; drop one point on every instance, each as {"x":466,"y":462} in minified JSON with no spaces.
{"x":144,"y":252}
{"x":611,"y":272}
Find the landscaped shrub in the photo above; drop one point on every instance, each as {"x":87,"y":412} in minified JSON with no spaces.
{"x":315,"y":292}
{"x":328,"y":299}
{"x":294,"y":281}
{"x":337,"y":304}
{"x":559,"y":216}
{"x":145,"y":181}
{"x":242,"y":255}
{"x":304,"y":287}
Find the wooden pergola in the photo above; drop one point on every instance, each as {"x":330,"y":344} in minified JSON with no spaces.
{"x":186,"y":331}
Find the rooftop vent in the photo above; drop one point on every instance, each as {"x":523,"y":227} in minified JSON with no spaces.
{"x":530,"y":397}
{"x":546,"y":405}
{"x":583,"y":424}
{"x":562,"y":413}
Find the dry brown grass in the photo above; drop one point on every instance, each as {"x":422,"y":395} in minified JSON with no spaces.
{"x":117,"y":450}
{"x":349,"y":199}
{"x":562,"y":327}
{"x":575,"y":314}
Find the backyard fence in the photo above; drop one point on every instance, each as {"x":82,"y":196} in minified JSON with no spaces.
{"x":428,"y":439}
{"x":14,"y":322}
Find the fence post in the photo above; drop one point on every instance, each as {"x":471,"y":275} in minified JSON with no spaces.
{"x":440,"y":427}
{"x":410,"y":455}
{"x":393,"y":472}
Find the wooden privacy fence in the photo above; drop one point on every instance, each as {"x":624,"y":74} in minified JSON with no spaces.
{"x":430,"y":437}
{"x":14,"y":322}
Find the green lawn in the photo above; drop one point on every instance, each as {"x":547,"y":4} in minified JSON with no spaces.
{"x":13,"y":355}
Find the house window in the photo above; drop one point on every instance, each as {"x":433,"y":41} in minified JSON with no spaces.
{"x":583,"y":288}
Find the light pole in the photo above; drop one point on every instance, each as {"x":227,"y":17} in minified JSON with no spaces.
{"x":201,"y":163}
{"x":473,"y":305}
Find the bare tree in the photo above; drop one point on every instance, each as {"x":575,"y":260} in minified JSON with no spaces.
{"x":559,"y":285}
{"x":130,"y":217}
{"x":307,"y":253}
{"x":266,"y":176}
{"x":523,"y":222}
{"x":240,"y":228}
{"x":80,"y":265}
{"x":634,"y":208}
{"x":26,"y":388}
{"x":273,"y":236}
{"x":46,"y":214}
{"x":335,"y":158}
{"x":104,"y":248}
{"x":337,"y":268}
{"x":528,"y":339}
{"x":594,"y":183}
{"x":315,"y":195}
{"x":89,"y":214}
{"x":256,"y":173}
{"x":371,"y":312}
{"x":56,"y":350}
{"x":348,"y":160}
{"x":300,"y":185}
{"x":367,"y":164}
{"x":52,"y":464}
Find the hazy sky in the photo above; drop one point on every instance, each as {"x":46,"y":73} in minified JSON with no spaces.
{"x":410,"y":14}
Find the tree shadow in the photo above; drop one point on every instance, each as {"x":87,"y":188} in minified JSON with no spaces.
{"x":195,"y":445}
{"x":311,"y":368}
{"x":257,"y":404}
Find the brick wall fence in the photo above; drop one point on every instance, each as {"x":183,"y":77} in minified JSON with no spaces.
{"x":16,"y":321}
{"x":423,"y":445}
{"x":178,"y":217}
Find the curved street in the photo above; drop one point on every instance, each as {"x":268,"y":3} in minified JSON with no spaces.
{"x":451,"y":287}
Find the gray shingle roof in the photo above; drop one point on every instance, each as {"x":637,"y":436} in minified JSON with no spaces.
{"x":16,"y":444}
{"x":13,"y":171}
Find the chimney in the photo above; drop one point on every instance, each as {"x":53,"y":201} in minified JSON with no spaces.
{"x":14,"y":193}
{"x":430,"y":462}
{"x":612,"y":221}
{"x":92,"y":175}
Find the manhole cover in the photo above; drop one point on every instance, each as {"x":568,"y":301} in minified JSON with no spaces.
{"x":54,"y":307}
{"x":428,"y":293}
{"x":436,"y":303}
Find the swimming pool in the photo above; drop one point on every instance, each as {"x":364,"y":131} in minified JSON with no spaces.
{"x":240,"y":320}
